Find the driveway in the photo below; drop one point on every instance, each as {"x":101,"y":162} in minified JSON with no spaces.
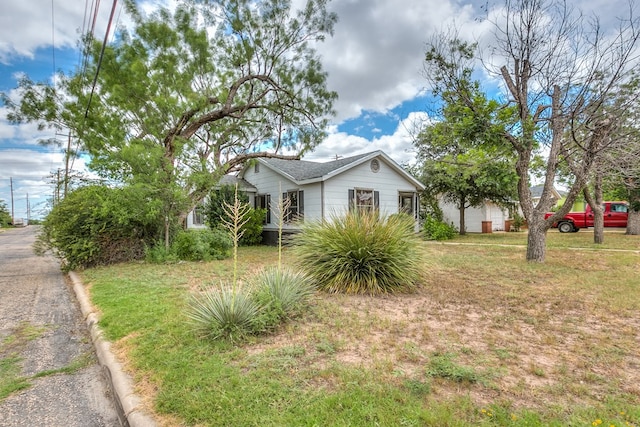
{"x":43,"y":335}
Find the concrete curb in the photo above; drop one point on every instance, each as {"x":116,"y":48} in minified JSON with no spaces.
{"x":128,"y":404}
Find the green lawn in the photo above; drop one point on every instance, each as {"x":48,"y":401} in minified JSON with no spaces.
{"x":487,"y":340}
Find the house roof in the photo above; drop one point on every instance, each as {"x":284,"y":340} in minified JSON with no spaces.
{"x":536,"y":192}
{"x":306,"y":172}
{"x":233,"y":180}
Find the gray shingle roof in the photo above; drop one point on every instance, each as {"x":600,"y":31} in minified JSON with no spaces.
{"x":536,"y":191}
{"x":233,"y":180}
{"x":301,"y":170}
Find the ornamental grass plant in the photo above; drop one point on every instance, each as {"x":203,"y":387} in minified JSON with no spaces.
{"x":282,"y":292}
{"x":225,"y":313}
{"x":360,"y":253}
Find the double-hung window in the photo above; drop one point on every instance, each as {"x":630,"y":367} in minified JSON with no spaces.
{"x":363,"y":199}
{"x":295,"y":205}
{"x":198,"y":215}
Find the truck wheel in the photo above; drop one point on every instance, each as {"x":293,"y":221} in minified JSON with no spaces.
{"x":565,"y":227}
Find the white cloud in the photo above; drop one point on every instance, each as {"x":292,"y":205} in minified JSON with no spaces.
{"x":399,"y":145}
{"x":375,"y":58}
{"x":28,"y":25}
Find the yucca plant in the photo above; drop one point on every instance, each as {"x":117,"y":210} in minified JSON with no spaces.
{"x":282,"y":288}
{"x":360,"y":253}
{"x":225,"y":313}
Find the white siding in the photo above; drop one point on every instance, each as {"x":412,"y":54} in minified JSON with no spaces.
{"x":269,"y":182}
{"x":386,"y":181}
{"x":191,"y":225}
{"x":473,"y":217}
{"x":331,"y":197}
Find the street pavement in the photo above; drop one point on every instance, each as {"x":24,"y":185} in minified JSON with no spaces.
{"x":35,"y":296}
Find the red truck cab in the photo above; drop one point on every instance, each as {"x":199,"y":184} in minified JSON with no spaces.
{"x":615,"y":215}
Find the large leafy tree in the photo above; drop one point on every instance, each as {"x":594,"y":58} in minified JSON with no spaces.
{"x":559,"y":72}
{"x":463,"y":156}
{"x":186,"y":96}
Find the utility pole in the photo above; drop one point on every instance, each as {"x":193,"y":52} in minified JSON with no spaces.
{"x":12,"y":215}
{"x":66,"y":166}
{"x":56,"y":196}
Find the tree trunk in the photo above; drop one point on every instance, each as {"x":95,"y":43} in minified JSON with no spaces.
{"x":596,"y":206}
{"x":633,"y":220}
{"x":461,"y":207}
{"x":463,"y":227}
{"x":633,"y":223}
{"x":536,"y":239}
{"x":167,"y":242}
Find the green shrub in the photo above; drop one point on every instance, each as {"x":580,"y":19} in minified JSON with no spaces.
{"x":216,"y":215}
{"x":224,"y":313}
{"x":272,"y":296}
{"x":517,"y":222}
{"x":159,"y":254}
{"x":282,"y":292}
{"x":252,"y":229}
{"x":360,"y":253}
{"x":435,"y":229}
{"x":99,"y":225}
{"x":202,"y":245}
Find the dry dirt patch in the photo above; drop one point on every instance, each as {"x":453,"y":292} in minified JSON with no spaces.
{"x":534,"y":352}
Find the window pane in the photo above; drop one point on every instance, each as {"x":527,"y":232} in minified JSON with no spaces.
{"x":364,"y":200}
{"x":292,"y":211}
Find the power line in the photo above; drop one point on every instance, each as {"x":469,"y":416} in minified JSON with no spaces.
{"x":53,"y":43}
{"x":104,"y":44}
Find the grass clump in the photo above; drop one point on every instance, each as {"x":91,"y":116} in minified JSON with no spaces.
{"x":442,"y":365}
{"x":282,"y":292}
{"x":360,"y":253}
{"x":10,"y":378}
{"x":225,"y":313}
{"x":273,"y":296}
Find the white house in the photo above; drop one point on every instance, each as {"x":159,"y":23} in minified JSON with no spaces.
{"x":318,"y":191}
{"x":488,"y":212}
{"x":196,"y":219}
{"x":491,"y":215}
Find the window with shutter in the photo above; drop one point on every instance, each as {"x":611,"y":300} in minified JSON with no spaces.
{"x":364,"y":199}
{"x":295,"y":210}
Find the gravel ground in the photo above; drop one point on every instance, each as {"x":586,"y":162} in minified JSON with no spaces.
{"x":35,"y":294}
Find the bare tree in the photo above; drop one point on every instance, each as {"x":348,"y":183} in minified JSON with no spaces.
{"x":559,"y":71}
{"x":622,"y":166}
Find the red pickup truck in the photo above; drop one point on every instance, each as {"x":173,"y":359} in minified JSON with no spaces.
{"x":615,"y":215}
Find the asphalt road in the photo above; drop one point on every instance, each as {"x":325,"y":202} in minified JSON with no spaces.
{"x":41,"y":323}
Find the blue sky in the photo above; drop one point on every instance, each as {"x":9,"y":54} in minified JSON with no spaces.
{"x":374,"y":62}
